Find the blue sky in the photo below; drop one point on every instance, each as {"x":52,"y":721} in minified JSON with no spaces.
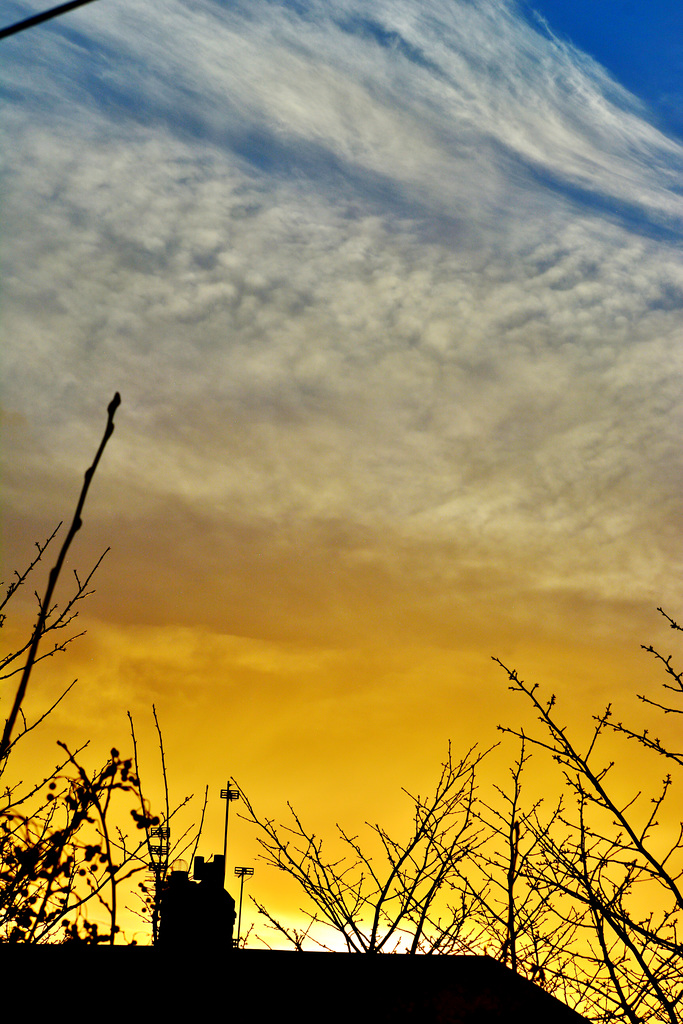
{"x":641,"y":44}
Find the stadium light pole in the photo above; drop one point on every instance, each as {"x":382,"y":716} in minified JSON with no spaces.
{"x":228,"y":794}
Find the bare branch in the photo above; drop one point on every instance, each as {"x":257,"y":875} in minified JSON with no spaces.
{"x":76,"y":523}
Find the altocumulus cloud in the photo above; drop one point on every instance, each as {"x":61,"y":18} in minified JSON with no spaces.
{"x":415,"y":272}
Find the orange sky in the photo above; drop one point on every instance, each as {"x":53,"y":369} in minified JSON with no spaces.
{"x":350,"y":694}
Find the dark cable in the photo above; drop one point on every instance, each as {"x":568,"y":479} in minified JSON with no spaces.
{"x":38,"y":18}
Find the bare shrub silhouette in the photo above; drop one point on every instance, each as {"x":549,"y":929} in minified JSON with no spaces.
{"x":390,"y":904}
{"x":612,"y":867}
{"x":161,"y":851}
{"x":59,"y":850}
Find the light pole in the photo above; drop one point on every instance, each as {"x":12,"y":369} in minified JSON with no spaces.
{"x":159,"y":848}
{"x":241,"y":873}
{"x":159,"y":840}
{"x":227,"y":794}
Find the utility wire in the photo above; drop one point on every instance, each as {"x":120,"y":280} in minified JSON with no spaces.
{"x":38,"y":18}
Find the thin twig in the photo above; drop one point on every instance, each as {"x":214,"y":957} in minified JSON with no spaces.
{"x":77,"y":522}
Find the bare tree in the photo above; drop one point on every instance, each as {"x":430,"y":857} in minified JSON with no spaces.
{"x":585,"y":898}
{"x":46,"y":609}
{"x":160,"y":850}
{"x":611,"y":867}
{"x":512,"y":918}
{"x":60,"y":851}
{"x":395,"y":900}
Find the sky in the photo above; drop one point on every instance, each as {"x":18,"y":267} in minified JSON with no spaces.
{"x":392,"y":293}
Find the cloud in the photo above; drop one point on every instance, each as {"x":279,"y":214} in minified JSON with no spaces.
{"x":416,"y":274}
{"x":436,"y":102}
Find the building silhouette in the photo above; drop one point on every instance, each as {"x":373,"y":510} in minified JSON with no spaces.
{"x":195,"y":973}
{"x":197,"y":913}
{"x":145,"y":983}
